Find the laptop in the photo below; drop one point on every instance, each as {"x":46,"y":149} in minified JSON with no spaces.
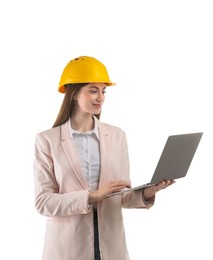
{"x":174,"y":161}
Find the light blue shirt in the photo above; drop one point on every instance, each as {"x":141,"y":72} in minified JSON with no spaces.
{"x":88,"y":149}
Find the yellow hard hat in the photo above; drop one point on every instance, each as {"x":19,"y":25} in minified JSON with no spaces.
{"x":84,"y":69}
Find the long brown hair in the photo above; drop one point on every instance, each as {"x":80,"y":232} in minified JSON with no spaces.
{"x":67,"y":105}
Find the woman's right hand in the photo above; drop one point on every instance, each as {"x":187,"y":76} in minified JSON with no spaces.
{"x":107,"y":189}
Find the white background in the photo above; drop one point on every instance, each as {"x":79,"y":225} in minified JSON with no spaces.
{"x":160,"y":54}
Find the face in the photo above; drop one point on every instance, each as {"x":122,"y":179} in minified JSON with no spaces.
{"x":90,"y":98}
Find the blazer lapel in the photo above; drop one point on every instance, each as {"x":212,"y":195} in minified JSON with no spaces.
{"x":104,"y":151}
{"x":71,"y":154}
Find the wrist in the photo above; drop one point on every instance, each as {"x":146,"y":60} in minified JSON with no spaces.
{"x":92,"y":197}
{"x":145,"y":197}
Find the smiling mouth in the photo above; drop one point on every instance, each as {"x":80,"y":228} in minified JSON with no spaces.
{"x":97,"y":105}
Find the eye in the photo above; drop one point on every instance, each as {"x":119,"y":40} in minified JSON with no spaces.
{"x":93,"y":91}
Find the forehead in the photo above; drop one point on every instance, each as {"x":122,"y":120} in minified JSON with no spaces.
{"x":96,"y":85}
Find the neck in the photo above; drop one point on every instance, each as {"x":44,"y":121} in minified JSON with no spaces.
{"x":82,"y":123}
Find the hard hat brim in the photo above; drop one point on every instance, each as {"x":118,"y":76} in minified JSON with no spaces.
{"x":61,"y":88}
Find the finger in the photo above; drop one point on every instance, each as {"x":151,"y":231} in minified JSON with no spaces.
{"x":167,"y":183}
{"x":160,"y":185}
{"x":119,"y":183}
{"x":119,"y":188}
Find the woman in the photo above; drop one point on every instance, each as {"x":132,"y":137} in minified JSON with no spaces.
{"x":78,"y":163}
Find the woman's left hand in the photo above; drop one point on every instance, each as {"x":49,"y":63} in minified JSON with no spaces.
{"x":150,"y":192}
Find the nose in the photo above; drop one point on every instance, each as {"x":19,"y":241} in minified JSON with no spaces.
{"x":100,"y":97}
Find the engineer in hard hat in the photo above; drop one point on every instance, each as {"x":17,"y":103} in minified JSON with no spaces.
{"x":78,"y":163}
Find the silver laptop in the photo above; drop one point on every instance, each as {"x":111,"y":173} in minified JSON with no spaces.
{"x":175,"y":159}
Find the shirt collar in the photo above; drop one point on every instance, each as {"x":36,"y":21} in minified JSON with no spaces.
{"x":95,"y":130}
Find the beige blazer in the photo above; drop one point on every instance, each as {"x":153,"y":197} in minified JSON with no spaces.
{"x":61,"y":194}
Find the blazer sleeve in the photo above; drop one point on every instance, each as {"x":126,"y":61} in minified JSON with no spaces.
{"x":134,"y":199}
{"x":48,"y":200}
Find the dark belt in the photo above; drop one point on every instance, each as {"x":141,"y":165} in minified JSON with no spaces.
{"x":96,"y":235}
